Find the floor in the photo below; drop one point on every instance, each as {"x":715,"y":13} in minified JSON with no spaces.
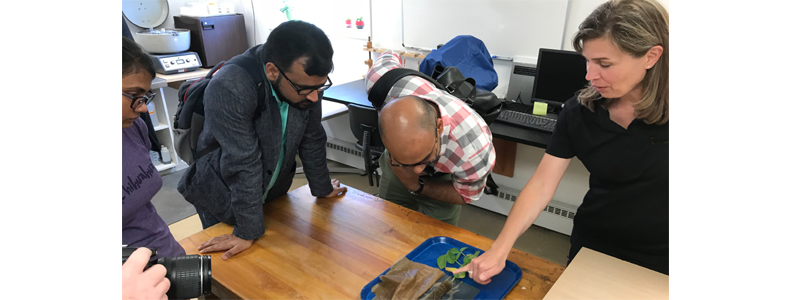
{"x":536,"y":240}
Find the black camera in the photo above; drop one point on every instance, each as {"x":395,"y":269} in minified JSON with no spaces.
{"x":189,"y":275}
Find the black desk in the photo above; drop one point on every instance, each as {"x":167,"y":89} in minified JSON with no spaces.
{"x":517,"y":134}
{"x":355,"y":92}
{"x":352,"y":92}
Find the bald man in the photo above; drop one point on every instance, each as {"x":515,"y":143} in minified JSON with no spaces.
{"x":439,"y":151}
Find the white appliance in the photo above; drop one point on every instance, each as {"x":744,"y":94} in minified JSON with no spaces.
{"x":176,"y":63}
{"x":167,"y":47}
{"x":164,"y":40}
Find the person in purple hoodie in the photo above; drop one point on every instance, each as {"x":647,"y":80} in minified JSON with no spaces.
{"x":141,"y":225}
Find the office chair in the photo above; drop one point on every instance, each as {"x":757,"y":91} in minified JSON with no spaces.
{"x":364,"y":125}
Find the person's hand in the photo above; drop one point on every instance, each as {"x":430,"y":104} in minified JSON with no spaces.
{"x":484,"y":267}
{"x":336,"y":189}
{"x":224,"y":242}
{"x":140,"y":284}
{"x":407,"y":176}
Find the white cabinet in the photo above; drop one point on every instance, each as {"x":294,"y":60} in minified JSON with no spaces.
{"x":166,"y":105}
{"x":163,"y":131}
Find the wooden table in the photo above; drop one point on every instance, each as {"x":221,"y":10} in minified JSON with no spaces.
{"x":594,"y":275}
{"x":331,"y":248}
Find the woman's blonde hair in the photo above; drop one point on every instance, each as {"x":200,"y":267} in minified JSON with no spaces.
{"x":635,"y":26}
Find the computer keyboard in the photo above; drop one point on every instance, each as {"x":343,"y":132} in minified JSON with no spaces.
{"x":527,"y":120}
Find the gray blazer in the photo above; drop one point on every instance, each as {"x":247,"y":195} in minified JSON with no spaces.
{"x":229,"y":182}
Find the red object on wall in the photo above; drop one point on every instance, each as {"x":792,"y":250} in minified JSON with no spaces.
{"x":359,"y":23}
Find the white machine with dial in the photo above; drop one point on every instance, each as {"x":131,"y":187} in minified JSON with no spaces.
{"x":176,"y":62}
{"x":166,"y":47}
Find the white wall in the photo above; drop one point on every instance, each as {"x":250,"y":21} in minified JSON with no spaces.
{"x":388,"y":20}
{"x":579,"y":10}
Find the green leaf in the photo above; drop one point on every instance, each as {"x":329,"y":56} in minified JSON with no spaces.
{"x":462,"y":249}
{"x":451,"y":255}
{"x":477,"y":253}
{"x":468,"y":258}
{"x":441,"y":262}
{"x":460,"y":275}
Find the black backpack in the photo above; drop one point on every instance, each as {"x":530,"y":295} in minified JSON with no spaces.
{"x":189,"y":119}
{"x":452,"y":82}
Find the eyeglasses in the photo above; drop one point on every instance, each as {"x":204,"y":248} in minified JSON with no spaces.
{"x":306,"y":90}
{"x":136,"y":102}
{"x":394,"y":163}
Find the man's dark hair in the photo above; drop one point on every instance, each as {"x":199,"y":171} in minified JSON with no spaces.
{"x":134,"y":59}
{"x":297,"y":39}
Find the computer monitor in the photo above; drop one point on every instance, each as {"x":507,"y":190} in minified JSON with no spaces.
{"x":559,"y":75}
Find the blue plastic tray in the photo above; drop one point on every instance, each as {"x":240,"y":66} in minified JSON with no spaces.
{"x":427,"y":253}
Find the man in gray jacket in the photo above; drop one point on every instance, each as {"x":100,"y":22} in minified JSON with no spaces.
{"x":255,"y":162}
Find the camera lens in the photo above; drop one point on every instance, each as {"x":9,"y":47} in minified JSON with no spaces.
{"x":189,"y":276}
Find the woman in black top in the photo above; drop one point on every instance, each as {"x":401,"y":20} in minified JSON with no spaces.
{"x":618,"y":127}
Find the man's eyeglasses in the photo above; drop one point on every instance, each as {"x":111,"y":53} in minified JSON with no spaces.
{"x":306,"y":90}
{"x":394,"y":163}
{"x":136,"y":102}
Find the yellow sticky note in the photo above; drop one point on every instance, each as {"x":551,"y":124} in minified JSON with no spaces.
{"x":540,"y":108}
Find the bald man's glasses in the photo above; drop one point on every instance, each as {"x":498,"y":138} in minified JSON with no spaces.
{"x":395,"y":163}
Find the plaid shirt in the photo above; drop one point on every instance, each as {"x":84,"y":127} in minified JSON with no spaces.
{"x":467,"y":150}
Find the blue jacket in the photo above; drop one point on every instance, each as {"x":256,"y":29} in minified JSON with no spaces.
{"x":230,"y":181}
